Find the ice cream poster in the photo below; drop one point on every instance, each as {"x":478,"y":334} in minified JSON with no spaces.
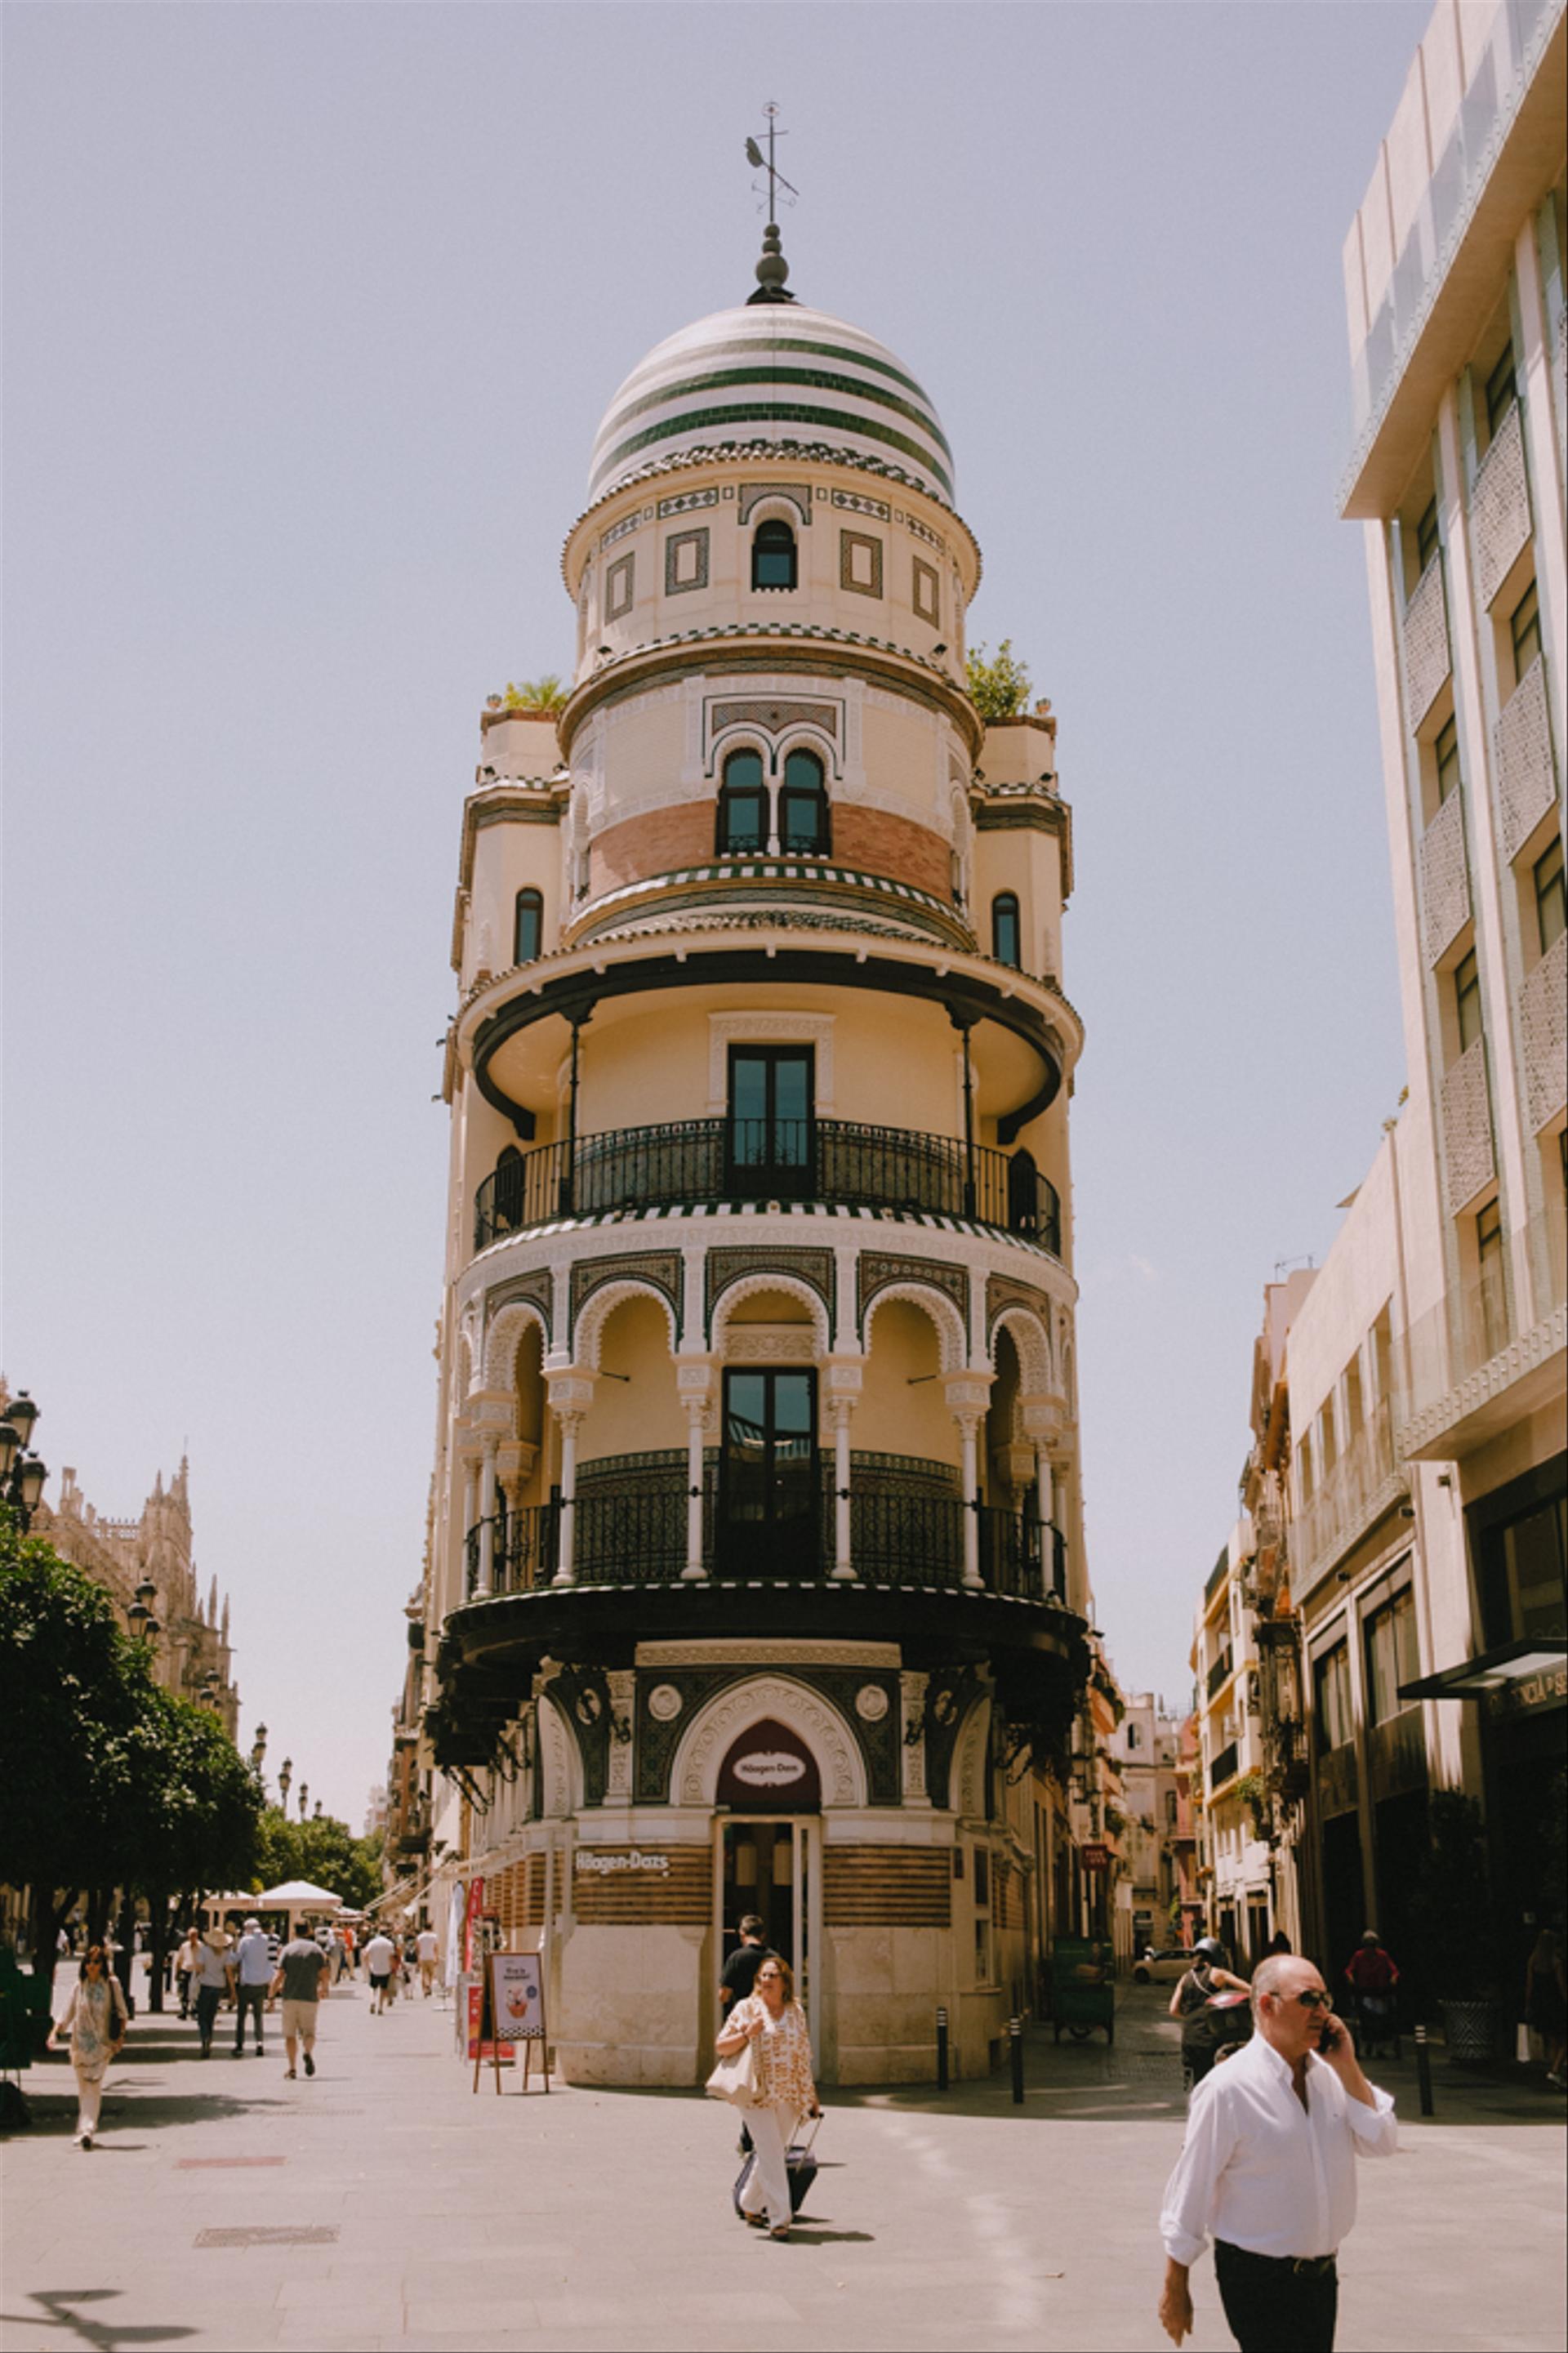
{"x":517,"y":1989}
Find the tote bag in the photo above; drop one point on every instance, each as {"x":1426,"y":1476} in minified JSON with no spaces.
{"x":737,"y":2079}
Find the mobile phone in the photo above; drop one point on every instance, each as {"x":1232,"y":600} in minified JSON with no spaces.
{"x":1330,"y":2034}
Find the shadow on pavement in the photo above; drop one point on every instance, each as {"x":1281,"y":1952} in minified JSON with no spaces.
{"x":81,"y":2328}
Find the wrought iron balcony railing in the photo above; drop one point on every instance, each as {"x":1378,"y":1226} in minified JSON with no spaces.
{"x":1222,"y":1769}
{"x":639,"y":1537}
{"x":701,"y":1160}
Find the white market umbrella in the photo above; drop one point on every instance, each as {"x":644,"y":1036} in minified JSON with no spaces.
{"x":294,"y":1896}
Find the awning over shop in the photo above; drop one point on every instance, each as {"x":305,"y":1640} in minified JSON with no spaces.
{"x":1494,"y":1670}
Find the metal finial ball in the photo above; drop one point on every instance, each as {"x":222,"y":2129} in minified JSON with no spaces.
{"x":772,"y":269}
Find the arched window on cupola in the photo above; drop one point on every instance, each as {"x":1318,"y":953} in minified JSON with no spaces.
{"x":802,"y":808}
{"x":743,"y":805}
{"x":527,"y":925}
{"x":1004,"y":934}
{"x":773,"y":563}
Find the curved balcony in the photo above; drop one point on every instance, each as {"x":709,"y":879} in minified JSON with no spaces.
{"x":689,"y":1161}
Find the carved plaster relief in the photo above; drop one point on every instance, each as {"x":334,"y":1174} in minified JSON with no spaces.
{"x":819,"y":1726}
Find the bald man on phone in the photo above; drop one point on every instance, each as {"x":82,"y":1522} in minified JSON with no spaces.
{"x":1267,"y":2168}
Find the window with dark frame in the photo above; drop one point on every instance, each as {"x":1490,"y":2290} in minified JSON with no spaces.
{"x":1446,"y":751}
{"x":1006,"y":939}
{"x":1392,"y":1657}
{"x":527,"y":925}
{"x":1332,"y":1692}
{"x":803,"y":806}
{"x":1519,"y":1573}
{"x":774,"y":562}
{"x":1426,"y":535}
{"x":1501,"y":391}
{"x":743,"y":806}
{"x":1550,"y":904}
{"x":1525,"y":631}
{"x":1467,"y":999}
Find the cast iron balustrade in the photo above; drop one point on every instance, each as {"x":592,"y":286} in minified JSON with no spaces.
{"x":637,"y":1536}
{"x":701,"y":1160}
{"x":1223,"y":1767}
{"x":1218,"y":1673}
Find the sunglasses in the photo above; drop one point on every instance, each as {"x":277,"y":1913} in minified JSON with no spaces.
{"x":1314,"y":1999}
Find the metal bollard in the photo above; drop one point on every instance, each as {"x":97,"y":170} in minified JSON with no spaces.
{"x":941,"y":2050}
{"x":1424,"y":2070}
{"x":1015,"y":2037}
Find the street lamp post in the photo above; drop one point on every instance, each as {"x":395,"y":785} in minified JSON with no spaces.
{"x":22,"y":1474}
{"x":144,"y":1626}
{"x":285,"y":1777}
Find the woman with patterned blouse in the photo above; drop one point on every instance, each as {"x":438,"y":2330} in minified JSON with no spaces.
{"x":771,"y":2017}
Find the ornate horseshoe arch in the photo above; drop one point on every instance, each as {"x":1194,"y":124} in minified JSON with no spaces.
{"x":694,"y":1777}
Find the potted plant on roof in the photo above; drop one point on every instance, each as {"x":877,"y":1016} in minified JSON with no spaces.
{"x":1453,"y":1917}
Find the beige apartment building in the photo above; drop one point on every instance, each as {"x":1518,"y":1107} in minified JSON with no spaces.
{"x":1144,"y":1745}
{"x":1236,"y":1869}
{"x":1408,"y":1472}
{"x":755,"y":1576}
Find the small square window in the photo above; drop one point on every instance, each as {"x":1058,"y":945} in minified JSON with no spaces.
{"x":1524,"y":630}
{"x":927,"y":594}
{"x":1467,"y":1000}
{"x":1551,"y":903}
{"x":685,"y":562}
{"x":860,"y":562}
{"x":1446,"y":751}
{"x":619,"y":581}
{"x":1501,"y":391}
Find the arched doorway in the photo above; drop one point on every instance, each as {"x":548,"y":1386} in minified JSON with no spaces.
{"x":769,"y":1794}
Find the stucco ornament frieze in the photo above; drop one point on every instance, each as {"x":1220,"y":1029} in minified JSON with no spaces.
{"x":771,"y":1276}
{"x":935,"y":1304}
{"x":821,"y":1727}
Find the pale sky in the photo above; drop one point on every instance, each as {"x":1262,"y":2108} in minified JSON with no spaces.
{"x":311,"y":312}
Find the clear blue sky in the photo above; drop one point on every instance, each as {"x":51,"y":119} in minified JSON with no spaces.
{"x":312,"y":313}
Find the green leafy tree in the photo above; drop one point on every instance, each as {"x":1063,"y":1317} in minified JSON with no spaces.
{"x":196,"y":1806}
{"x":546,"y":693}
{"x":322,"y":1849}
{"x":998,"y":689}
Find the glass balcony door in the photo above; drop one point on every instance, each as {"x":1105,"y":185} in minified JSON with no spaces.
{"x":768,"y":1478}
{"x":770,"y":1139}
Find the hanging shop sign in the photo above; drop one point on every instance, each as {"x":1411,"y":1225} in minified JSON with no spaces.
{"x":1095,"y":1856}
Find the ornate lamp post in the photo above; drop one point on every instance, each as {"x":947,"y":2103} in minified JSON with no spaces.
{"x":144,"y":1626}
{"x":285,"y":1777}
{"x":22,"y":1474}
{"x":258,"y":1750}
{"x":304,"y":1797}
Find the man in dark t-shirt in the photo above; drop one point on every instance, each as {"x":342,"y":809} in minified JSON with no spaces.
{"x":739,"y":1975}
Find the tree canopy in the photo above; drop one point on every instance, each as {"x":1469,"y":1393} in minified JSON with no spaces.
{"x":321,"y":1849}
{"x":998,"y":689}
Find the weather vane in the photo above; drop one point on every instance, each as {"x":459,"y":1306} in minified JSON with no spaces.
{"x":761,"y":162}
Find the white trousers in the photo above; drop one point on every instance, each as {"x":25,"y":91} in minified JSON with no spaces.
{"x":767,"y":2191}
{"x":88,"y":2100}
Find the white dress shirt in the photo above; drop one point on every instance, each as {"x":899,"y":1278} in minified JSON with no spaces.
{"x":1261,"y":2171}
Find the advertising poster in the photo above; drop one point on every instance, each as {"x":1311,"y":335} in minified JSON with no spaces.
{"x":473,"y":2021}
{"x":518,"y":1993}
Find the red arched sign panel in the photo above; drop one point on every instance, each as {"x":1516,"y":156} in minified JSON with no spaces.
{"x":770,"y":1771}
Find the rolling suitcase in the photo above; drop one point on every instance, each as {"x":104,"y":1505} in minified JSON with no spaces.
{"x":802,"y":2172}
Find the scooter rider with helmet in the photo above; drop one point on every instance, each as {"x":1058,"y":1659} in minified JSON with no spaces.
{"x":1205,"y":2025}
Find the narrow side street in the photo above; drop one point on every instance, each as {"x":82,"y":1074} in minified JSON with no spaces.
{"x":386,"y":2204}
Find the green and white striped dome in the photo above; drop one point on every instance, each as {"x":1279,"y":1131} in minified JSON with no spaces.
{"x":771,"y":372}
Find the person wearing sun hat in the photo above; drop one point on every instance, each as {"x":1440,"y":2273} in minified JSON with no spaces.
{"x":215,"y":1977}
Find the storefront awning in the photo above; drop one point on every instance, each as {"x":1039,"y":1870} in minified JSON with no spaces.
{"x":1494,"y":1670}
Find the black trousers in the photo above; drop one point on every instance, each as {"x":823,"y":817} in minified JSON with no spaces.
{"x":1272,"y":2307}
{"x":251,"y":1998}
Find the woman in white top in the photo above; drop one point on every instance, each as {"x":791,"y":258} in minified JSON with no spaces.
{"x":771,"y":2017}
{"x":96,"y":2020}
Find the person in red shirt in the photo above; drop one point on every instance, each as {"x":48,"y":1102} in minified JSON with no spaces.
{"x":1372,"y":1975}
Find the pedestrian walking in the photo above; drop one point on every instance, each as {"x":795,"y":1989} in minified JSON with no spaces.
{"x":1372,"y":1975}
{"x":379,"y":1955}
{"x":1202,"y":2027}
{"x":215,"y":1977}
{"x":771,"y":2018}
{"x":303,"y":1978}
{"x":96,"y":2019}
{"x":739,"y":1975}
{"x":1546,"y":2002}
{"x":187,"y":1969}
{"x":427,"y":1946}
{"x":253,"y":1967}
{"x":1267,"y":2170}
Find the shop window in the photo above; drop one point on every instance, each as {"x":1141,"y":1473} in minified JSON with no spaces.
{"x":1005,"y":936}
{"x":1445,"y":753}
{"x":803,"y":806}
{"x":1467,"y":1000}
{"x":773,"y":563}
{"x":527,"y":920}
{"x":1551,"y":907}
{"x":1519,"y":1572}
{"x":1502,"y":391}
{"x":1391,"y":1657}
{"x":743,"y":805}
{"x":1525,"y":631}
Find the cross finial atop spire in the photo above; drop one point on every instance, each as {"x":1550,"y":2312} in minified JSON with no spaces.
{"x":772,"y":269}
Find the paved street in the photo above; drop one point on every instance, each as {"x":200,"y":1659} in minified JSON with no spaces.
{"x":393,"y":2207}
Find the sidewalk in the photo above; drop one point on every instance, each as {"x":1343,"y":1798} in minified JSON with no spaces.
{"x":386,"y":2204}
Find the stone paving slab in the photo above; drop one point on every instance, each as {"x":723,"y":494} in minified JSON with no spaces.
{"x":599,"y":2219}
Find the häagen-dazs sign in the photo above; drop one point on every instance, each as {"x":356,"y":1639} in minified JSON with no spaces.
{"x":769,"y":1769}
{"x":596,"y":1865}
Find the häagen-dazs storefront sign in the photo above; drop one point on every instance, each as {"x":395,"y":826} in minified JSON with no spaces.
{"x":593,"y":1864}
{"x":769,"y":1767}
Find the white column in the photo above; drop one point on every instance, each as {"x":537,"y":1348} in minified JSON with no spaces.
{"x":470,"y":1513}
{"x":565,"y":1564}
{"x":843,"y":1566}
{"x":696,"y":1424}
{"x":491,"y":1444}
{"x":1046,"y":1490}
{"x":968,"y":1424}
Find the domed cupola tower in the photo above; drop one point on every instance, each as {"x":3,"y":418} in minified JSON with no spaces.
{"x":757,"y":1576}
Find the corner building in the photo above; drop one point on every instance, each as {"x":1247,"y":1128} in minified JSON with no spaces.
{"x":756,"y":1575}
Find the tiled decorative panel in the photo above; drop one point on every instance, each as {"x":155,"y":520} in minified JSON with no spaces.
{"x":773,"y":715}
{"x":1544,"y":1035}
{"x":926,"y":593}
{"x":797,"y":493}
{"x":685,"y":562}
{"x":860,"y":562}
{"x":1426,"y":657}
{"x":1521,"y":760}
{"x":1499,"y":507}
{"x":1467,"y":1126}
{"x":620,"y":578}
{"x":1445,"y":878}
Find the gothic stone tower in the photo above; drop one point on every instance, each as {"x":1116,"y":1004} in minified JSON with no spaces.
{"x":756,"y":1575}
